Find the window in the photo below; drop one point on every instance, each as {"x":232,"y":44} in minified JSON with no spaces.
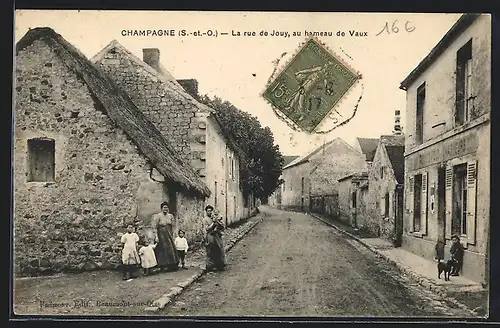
{"x":464,"y":97}
{"x":381,"y":172}
{"x":302,"y":185}
{"x":417,"y":191}
{"x":461,"y":199}
{"x":386,"y":206}
{"x":419,"y":133}
{"x":459,"y":221}
{"x":354,"y":199}
{"x":41,"y":160}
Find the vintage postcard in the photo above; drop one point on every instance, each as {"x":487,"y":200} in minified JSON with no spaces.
{"x":275,"y":164}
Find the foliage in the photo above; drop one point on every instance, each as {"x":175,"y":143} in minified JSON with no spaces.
{"x":262,"y":162}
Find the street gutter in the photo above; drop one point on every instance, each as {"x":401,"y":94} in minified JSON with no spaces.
{"x":424,"y":282}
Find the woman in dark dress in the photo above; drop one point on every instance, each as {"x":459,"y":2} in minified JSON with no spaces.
{"x":162,"y":224}
{"x":213,"y":226}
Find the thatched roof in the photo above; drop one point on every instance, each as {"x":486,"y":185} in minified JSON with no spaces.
{"x":121,"y":110}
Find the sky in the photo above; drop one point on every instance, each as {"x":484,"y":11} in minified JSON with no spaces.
{"x":237,"y":68}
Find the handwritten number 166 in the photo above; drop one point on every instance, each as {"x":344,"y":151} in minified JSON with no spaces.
{"x":395,"y":29}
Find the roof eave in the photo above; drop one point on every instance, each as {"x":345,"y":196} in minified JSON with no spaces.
{"x":462,"y":23}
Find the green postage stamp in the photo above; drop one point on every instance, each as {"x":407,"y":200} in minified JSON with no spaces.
{"x":310,"y":86}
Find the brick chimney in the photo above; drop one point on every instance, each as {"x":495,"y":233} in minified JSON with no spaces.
{"x":397,"y":123}
{"x":151,"y":56}
{"x":191,"y":86}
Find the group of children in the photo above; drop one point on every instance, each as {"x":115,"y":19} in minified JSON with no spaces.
{"x":136,"y":252}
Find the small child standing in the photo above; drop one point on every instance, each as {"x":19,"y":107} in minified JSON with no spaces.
{"x":457,"y":254}
{"x":182,"y":246}
{"x":147,"y":254}
{"x":130,"y":257}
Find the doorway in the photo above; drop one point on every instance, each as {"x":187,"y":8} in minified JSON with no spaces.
{"x":398,"y":219}
{"x":441,"y":212}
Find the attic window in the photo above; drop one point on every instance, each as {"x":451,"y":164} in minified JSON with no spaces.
{"x":41,"y":160}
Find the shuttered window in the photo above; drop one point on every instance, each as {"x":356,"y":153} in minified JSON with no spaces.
{"x":423,"y":204}
{"x":409,"y":201}
{"x":471,"y":201}
{"x":461,"y":201}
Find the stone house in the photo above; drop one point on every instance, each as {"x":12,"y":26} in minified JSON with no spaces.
{"x":352,"y":199}
{"x":383,"y":216}
{"x":447,"y":148}
{"x":275,"y":199}
{"x":192,"y":127}
{"x":315,"y":174}
{"x":87,"y":162}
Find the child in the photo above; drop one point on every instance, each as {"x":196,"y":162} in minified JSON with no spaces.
{"x":147,"y":254}
{"x":130,"y":257}
{"x":182,"y":246}
{"x":457,"y":254}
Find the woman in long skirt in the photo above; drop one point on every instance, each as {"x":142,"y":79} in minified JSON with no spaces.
{"x":165,"y":252}
{"x":214,"y":246}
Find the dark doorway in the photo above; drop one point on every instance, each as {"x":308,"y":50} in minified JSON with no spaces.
{"x":441,"y":211}
{"x":398,"y":217}
{"x":172,"y":199}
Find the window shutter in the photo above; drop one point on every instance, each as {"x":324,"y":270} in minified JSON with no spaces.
{"x":448,"y":200}
{"x":409,"y":201}
{"x":423,"y":215}
{"x":471,"y":201}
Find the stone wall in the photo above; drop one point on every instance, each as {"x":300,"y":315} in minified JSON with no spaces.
{"x":101,"y":180}
{"x":293,"y":196}
{"x":184,"y":122}
{"x":326,"y":204}
{"x":218,"y":169}
{"x":381,"y":184}
{"x":335,"y":162}
{"x":345,"y":200}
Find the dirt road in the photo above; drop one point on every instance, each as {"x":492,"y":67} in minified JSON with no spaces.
{"x":294,"y":265}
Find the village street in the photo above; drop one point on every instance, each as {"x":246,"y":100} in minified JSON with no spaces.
{"x":293,"y":264}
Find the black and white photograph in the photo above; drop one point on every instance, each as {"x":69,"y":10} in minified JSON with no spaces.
{"x":184,"y":164}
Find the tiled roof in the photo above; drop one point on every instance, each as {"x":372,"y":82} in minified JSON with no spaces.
{"x":397,"y":158}
{"x":288,"y":159}
{"x":368,"y":147}
{"x":313,"y":152}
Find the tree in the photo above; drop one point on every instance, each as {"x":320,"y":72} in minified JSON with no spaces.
{"x":262,"y":161}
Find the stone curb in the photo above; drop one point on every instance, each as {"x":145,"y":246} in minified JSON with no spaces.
{"x":424,"y":282}
{"x":167,"y":298}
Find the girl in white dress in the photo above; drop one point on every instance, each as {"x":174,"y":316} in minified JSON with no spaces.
{"x":147,"y":254}
{"x":130,"y":257}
